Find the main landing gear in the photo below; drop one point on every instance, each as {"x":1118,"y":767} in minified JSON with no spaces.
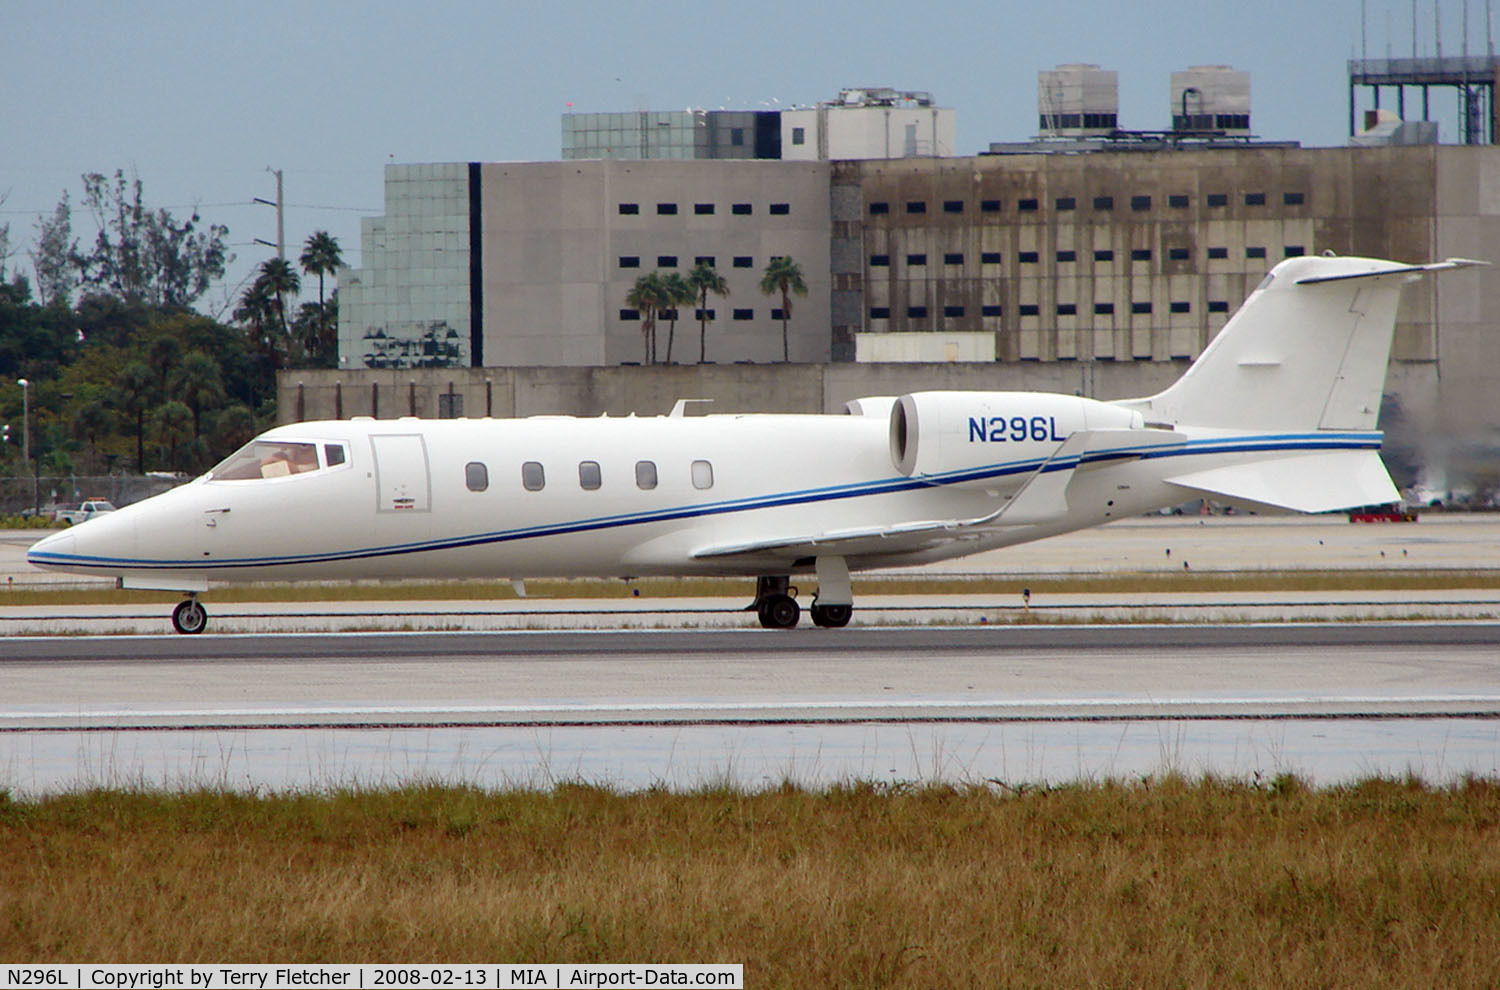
{"x":189,"y":616}
{"x":776,"y":605}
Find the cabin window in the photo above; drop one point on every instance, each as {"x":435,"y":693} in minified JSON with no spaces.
{"x":267,"y":459}
{"x":645,"y":475}
{"x":703,"y":475}
{"x":588,"y":476}
{"x":476,"y":476}
{"x":333,"y":454}
{"x":533,"y":478}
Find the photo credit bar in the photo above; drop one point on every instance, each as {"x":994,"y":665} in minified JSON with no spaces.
{"x":383,"y":976}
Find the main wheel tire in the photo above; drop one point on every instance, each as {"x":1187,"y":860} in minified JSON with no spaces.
{"x":779,"y":612}
{"x":831,"y":616}
{"x":189,"y":617}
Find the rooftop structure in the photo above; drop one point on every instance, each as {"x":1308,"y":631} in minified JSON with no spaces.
{"x":1471,"y":77}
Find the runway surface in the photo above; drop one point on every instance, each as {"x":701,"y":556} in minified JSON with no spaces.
{"x":689,"y":707}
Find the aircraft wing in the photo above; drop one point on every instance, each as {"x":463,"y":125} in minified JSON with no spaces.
{"x":1041,"y":498}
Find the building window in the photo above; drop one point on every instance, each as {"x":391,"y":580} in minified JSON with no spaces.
{"x":916,"y":207}
{"x":645,"y":475}
{"x":737,"y":137}
{"x":1218,"y":253}
{"x":1104,"y":202}
{"x":989,"y":206}
{"x":991,"y":310}
{"x":629,"y":209}
{"x":1027,"y":257}
{"x":880,"y":208}
{"x":1140,"y":307}
{"x":666,"y":261}
{"x":1139,"y":203}
{"x":1177,"y":254}
{"x":630,"y":261}
{"x":533,"y":478}
{"x":1027,"y":206}
{"x":1177,"y":202}
{"x":703,"y":475}
{"x":741,"y":209}
{"x":708,"y":314}
{"x":880,"y":312}
{"x":776,"y":313}
{"x":916,"y":259}
{"x":953,"y":311}
{"x":744,"y":261}
{"x":1218,"y":199}
{"x":476,"y":476}
{"x":880,"y":261}
{"x":1065,"y":203}
{"x":1255,"y":252}
{"x":1104,"y":309}
{"x":1255,"y":199}
{"x":1030,"y":309}
{"x":744,"y":314}
{"x":1140,"y":254}
{"x":703,"y":209}
{"x":588,"y":476}
{"x":666,"y":209}
{"x":799,"y":135}
{"x":916,"y":312}
{"x":953,"y":206}
{"x":1067,"y":309}
{"x":953,"y":258}
{"x":1292,"y":199}
{"x":1182,"y":307}
{"x":629,"y":314}
{"x":705,"y":259}
{"x":1218,"y":307}
{"x":1067,"y":256}
{"x":990,"y":258}
{"x":1104,"y":255}
{"x":1293,"y":251}
{"x":780,"y":209}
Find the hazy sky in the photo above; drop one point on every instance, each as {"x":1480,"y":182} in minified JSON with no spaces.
{"x":201,"y":98}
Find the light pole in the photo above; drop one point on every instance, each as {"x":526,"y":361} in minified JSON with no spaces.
{"x":25,"y":420}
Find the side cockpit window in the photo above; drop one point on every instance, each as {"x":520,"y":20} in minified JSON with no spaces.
{"x":268,"y":459}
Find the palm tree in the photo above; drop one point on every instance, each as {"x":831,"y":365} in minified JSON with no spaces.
{"x":199,"y":384}
{"x":282,"y":280}
{"x":320,"y":257}
{"x":646,"y":296}
{"x":783,"y":275}
{"x":679,"y":292}
{"x":257,"y":313}
{"x":705,"y":278}
{"x":171,"y":422}
{"x":131,"y":395}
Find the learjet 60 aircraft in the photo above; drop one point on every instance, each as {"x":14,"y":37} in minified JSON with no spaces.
{"x":1278,"y":412}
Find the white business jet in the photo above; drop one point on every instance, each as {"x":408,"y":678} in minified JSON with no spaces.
{"x":1279,"y":411}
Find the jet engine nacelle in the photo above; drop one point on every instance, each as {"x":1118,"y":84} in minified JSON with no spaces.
{"x":960,"y":437}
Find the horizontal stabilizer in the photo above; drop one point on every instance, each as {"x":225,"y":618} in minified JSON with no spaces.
{"x":1339,"y":479}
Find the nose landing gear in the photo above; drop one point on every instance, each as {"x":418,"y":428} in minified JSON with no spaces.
{"x":189,"y":616}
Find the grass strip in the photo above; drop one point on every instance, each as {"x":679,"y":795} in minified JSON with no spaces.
{"x":1158,"y":881}
{"x":1127,"y":582}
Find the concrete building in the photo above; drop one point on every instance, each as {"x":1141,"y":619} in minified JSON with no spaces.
{"x":875,"y":122}
{"x":679,"y":134}
{"x":529,"y":264}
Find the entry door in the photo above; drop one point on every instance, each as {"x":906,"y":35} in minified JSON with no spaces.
{"x":402,"y":483}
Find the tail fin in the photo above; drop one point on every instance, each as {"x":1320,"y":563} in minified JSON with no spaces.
{"x":1307,"y":351}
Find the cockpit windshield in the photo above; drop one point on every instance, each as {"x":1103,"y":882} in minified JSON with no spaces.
{"x":266,"y":459}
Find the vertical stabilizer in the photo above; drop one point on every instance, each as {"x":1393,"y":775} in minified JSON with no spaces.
{"x":1307,"y":351}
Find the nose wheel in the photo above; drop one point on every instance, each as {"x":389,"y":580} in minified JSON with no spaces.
{"x":189,"y":617}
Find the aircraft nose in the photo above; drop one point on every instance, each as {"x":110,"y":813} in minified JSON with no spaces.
{"x":48,"y":549}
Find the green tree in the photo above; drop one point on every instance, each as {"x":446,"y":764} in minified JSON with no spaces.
{"x":199,"y":384}
{"x":146,"y":255}
{"x":783,"y":275}
{"x":647,"y":296}
{"x":92,"y":422}
{"x":677,"y":292}
{"x":281,"y":280}
{"x":172,"y":424}
{"x":705,"y":279}
{"x":321,"y":256}
{"x":51,"y":258}
{"x":163,"y":354}
{"x":132,"y":397}
{"x":257,"y":314}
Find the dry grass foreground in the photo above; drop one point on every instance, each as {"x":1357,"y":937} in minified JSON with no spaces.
{"x":1160,"y":882}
